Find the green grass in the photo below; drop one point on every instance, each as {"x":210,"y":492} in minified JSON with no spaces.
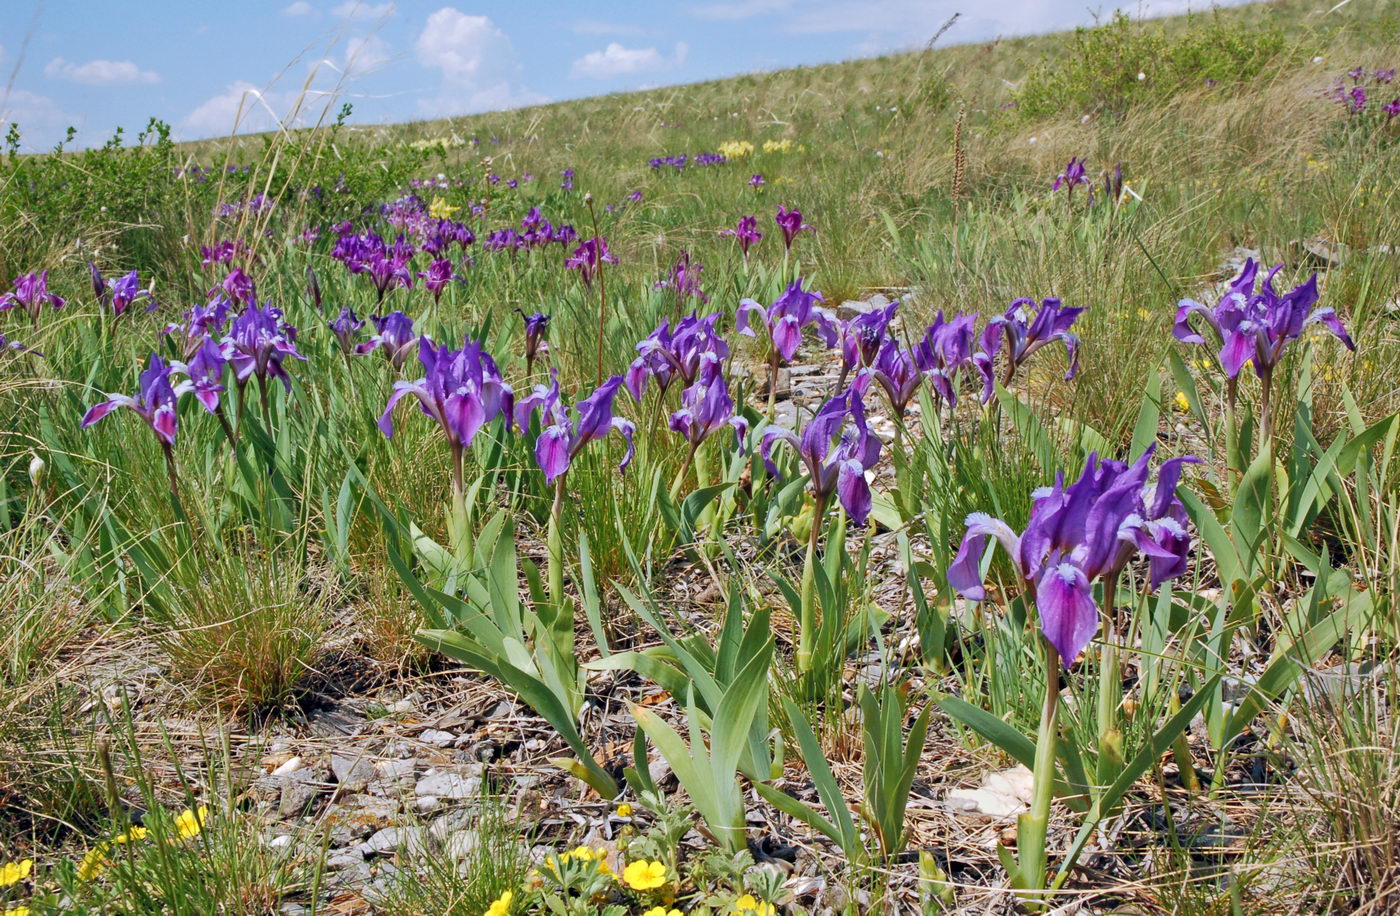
{"x":289,"y":536}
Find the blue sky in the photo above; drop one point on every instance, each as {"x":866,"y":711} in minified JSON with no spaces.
{"x":96,"y":65}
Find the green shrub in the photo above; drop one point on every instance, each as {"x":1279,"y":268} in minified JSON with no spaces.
{"x":1122,"y":63}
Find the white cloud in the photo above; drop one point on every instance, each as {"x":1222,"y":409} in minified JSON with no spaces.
{"x":299,"y":8}
{"x":100,"y":73}
{"x":364,"y":55}
{"x":42,"y":123}
{"x":357,"y":10}
{"x":478,"y":63}
{"x":615,"y":60}
{"x":244,"y":108}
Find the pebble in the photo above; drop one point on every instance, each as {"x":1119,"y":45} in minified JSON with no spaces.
{"x":353,"y":772}
{"x":448,"y":785}
{"x":291,"y":766}
{"x":436,"y":737}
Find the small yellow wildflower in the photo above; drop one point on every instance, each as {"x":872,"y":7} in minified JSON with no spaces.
{"x":190,"y":823}
{"x":747,"y":904}
{"x":1144,"y":314}
{"x":441,"y":209}
{"x":18,"y":911}
{"x":15,"y":872}
{"x":501,"y":905}
{"x":661,"y":911}
{"x":1180,"y":402}
{"x":643,"y":875}
{"x":624,"y":810}
{"x":132,"y":835}
{"x":93,"y":863}
{"x":735,"y":149}
{"x":777,"y":146}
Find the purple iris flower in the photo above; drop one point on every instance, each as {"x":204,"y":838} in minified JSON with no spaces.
{"x":1392,"y":109}
{"x":14,"y":346}
{"x":685,"y":280}
{"x":706,"y":407}
{"x":154,"y":402}
{"x":790,"y":221}
{"x":746,"y":234}
{"x":681,"y":353}
{"x":1082,"y":533}
{"x":561,"y":439}
{"x":389,"y":271}
{"x":863,"y":335}
{"x":461,"y":389}
{"x":568,"y":179}
{"x":1357,"y":73}
{"x":786,"y":317}
{"x":589,"y":257}
{"x":897,"y":371}
{"x":757,"y":181}
{"x":238,"y":287}
{"x":257,"y":343}
{"x":564,"y":235}
{"x":31,"y":293}
{"x":201,"y":321}
{"x":122,"y":292}
{"x":1025,"y":333}
{"x":836,"y":448}
{"x":437,"y":276}
{"x":1073,"y":174}
{"x":947,"y":350}
{"x":536,"y":326}
{"x":205,"y":373}
{"x":1385,"y":76}
{"x":1257,"y":326}
{"x":345,"y":327}
{"x":1358,"y":99}
{"x":635,"y":197}
{"x":394,"y":332}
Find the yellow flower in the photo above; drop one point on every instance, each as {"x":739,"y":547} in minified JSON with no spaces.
{"x":747,"y":904}
{"x":777,"y":146}
{"x":15,"y":872}
{"x":1180,"y":402}
{"x":190,"y":823}
{"x":735,"y":149}
{"x":624,"y":810}
{"x":501,"y":905}
{"x":93,"y":863}
{"x":440,"y":209}
{"x":661,"y":911}
{"x":1144,"y":314}
{"x":132,"y":835}
{"x":18,"y":911}
{"x":644,"y":876}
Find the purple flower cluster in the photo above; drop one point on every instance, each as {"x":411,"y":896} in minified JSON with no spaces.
{"x":1254,"y":326}
{"x":31,"y":293}
{"x":225,"y":252}
{"x":562,"y":437}
{"x":1356,"y":97}
{"x":836,"y":448}
{"x":589,"y":257}
{"x":1078,"y":534}
{"x":119,"y":293}
{"x":683,"y":160}
{"x":682,"y":352}
{"x":746,"y":234}
{"x":535,"y":232}
{"x":684,"y":280}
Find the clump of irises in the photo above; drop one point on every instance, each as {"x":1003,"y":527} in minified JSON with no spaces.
{"x":1077,"y":535}
{"x":1255,"y":328}
{"x":31,"y":293}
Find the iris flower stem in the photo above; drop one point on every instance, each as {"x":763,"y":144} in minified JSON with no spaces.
{"x":1032,"y":826}
{"x":458,"y":535}
{"x":174,"y":479}
{"x":1110,"y":684}
{"x":226,"y":427}
{"x":554,"y":544}
{"x":685,"y":469}
{"x":1266,"y":417}
{"x":773,"y":365}
{"x":1232,"y":433}
{"x":807,"y":612}
{"x":266,"y":404}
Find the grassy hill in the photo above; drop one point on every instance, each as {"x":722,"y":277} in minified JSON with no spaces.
{"x":314,"y":632}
